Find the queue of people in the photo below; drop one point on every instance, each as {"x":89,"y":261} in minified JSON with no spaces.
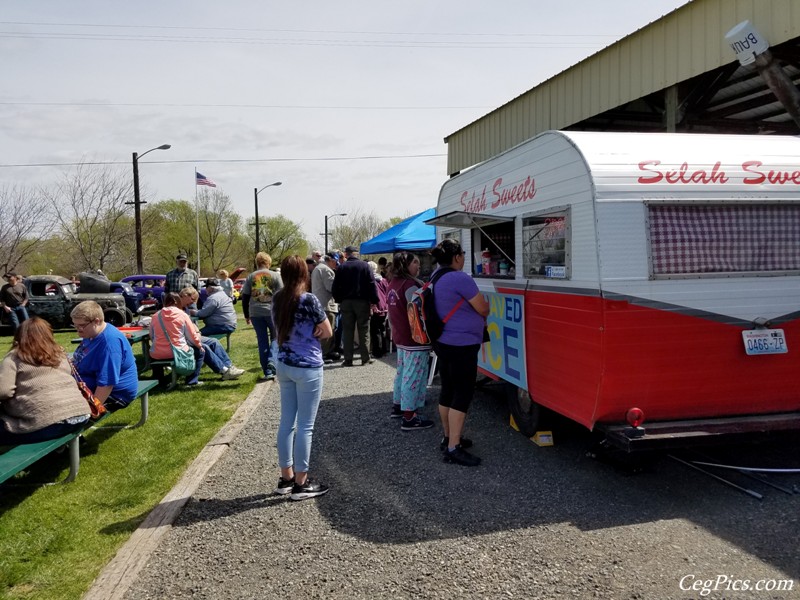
{"x":294,"y":311}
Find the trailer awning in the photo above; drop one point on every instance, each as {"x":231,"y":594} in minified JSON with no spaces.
{"x":466,"y":220}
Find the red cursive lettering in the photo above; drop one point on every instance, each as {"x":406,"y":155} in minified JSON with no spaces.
{"x":772,"y":176}
{"x":683,"y":174}
{"x":654,"y":178}
{"x":522,"y":192}
{"x":476,"y":203}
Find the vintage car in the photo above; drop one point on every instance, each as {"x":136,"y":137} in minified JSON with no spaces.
{"x":132,"y":300}
{"x":52,"y":298}
{"x":149,"y":287}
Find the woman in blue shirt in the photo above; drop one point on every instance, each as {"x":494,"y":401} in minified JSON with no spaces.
{"x":301,"y":323}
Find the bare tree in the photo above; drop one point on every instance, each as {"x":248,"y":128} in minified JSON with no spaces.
{"x":89,"y":207}
{"x":219,"y":225}
{"x":356,"y":228}
{"x":25,"y":220}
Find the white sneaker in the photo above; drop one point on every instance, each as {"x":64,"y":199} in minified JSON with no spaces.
{"x":232,"y":373}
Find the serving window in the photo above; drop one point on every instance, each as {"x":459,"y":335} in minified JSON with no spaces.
{"x":545,"y":245}
{"x":493,"y":250}
{"x":492,"y":240}
{"x":724,"y":240}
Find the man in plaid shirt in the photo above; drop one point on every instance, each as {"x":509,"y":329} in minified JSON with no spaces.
{"x":181,"y":276}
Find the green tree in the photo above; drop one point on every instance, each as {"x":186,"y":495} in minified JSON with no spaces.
{"x":281,"y":237}
{"x":169,"y":228}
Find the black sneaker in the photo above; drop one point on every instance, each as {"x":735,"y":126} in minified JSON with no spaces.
{"x":284,"y":486}
{"x":396,"y":412}
{"x":465,"y":443}
{"x":369,"y":361}
{"x":310,"y":489}
{"x":415,"y":422}
{"x":347,"y":363}
{"x":460,"y":456}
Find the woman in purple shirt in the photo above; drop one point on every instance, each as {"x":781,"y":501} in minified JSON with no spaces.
{"x":457,"y":348}
{"x":301,"y":323}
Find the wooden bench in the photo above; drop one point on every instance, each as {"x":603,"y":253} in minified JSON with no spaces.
{"x":14,"y":459}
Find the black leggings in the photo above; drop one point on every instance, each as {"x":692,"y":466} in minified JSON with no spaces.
{"x":458,"y":368}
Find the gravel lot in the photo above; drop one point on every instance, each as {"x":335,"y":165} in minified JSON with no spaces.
{"x":529,"y":523}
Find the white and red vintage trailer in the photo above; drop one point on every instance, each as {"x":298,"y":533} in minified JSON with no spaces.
{"x":658,"y":272}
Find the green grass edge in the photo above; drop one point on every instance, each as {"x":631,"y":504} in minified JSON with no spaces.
{"x":57,"y":538}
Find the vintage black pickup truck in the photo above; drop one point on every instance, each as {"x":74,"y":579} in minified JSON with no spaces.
{"x":52,"y":298}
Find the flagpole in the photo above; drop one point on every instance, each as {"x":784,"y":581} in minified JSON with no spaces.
{"x":197,"y":220}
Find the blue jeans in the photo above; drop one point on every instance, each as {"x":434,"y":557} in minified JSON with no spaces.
{"x":214,"y":329}
{"x":265,"y":333}
{"x":17,"y":315}
{"x":301,"y":390}
{"x":199,"y":355}
{"x":215,"y":357}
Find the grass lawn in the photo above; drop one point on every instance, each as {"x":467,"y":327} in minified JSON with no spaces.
{"x":55,"y":539}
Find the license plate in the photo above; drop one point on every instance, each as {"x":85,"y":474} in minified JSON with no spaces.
{"x":764,"y":341}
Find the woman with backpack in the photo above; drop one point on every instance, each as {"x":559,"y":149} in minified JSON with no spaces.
{"x":412,"y":358}
{"x":464,"y":310}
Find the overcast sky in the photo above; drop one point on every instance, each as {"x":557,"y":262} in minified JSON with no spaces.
{"x":308,"y":93}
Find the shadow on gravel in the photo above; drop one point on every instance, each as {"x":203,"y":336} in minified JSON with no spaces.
{"x":390,"y":486}
{"x":199,"y":510}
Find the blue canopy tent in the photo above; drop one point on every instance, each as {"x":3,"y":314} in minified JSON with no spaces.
{"x":411,"y":234}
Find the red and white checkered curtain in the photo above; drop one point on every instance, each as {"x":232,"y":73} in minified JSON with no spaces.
{"x":724,"y":239}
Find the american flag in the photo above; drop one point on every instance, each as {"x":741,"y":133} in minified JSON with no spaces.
{"x":203,"y":180}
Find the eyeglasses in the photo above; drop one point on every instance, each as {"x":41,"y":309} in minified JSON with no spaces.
{"x":80,"y":326}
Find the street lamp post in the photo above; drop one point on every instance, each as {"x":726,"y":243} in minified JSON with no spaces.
{"x":256,"y":192}
{"x":326,"y":227}
{"x":137,"y":206}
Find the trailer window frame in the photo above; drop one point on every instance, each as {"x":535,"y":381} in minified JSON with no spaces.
{"x":528,"y":226}
{"x":500,"y":239}
{"x":654,"y":257}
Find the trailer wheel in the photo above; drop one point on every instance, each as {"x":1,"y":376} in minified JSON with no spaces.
{"x":115,"y":317}
{"x":529,"y":416}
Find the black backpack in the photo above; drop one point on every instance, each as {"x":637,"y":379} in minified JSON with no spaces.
{"x":426,"y":326}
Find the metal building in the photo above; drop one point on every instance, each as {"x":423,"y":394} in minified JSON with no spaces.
{"x":676,"y":74}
